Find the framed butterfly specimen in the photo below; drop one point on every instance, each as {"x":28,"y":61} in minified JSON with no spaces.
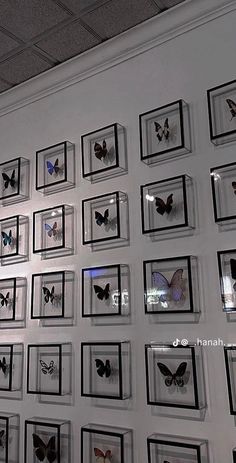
{"x":47,"y":440}
{"x":166,"y":448}
{"x":12,"y":302}
{"x":105,"y":444}
{"x":104,"y":153}
{"x":7,"y":238}
{"x":9,"y":436}
{"x":167,"y":206}
{"x":105,"y":370}
{"x":164,"y":132}
{"x":222,"y":113}
{"x":53,"y":231}
{"x":223,"y":186}
{"x":175,"y":376}
{"x":227,"y":279}
{"x":14,"y":181}
{"x":49,"y":369}
{"x":55,"y":168}
{"x":171,"y":286}
{"x":230,"y":356}
{"x":105,"y":220}
{"x":14,"y":239}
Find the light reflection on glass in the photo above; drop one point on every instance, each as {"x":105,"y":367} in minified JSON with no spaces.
{"x":228,"y":296}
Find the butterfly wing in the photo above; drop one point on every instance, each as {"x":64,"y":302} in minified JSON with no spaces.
{"x":52,"y":295}
{"x":159,"y":131}
{"x":56,"y":166}
{"x":51,"y":367}
{"x":106,"y":291}
{"x":169,"y":203}
{"x":6,"y":179}
{"x":44,"y":366}
{"x":106,"y":215}
{"x":162,"y":284}
{"x":50,"y":167}
{"x":232,"y":107}
{"x":98,"y":151}
{"x":99,"y":218}
{"x":234,"y":187}
{"x":108,"y":456}
{"x":46,"y":293}
{"x":2,"y":297}
{"x":51,"y":453}
{"x":54,"y":229}
{"x":12,"y":179}
{"x":176,"y":285}
{"x":99,"y":291}
{"x":160,"y":205}
{"x":166,"y":129}
{"x":39,"y":446}
{"x":166,"y":372}
{"x":180,"y":372}
{"x":4,"y":238}
{"x":100,"y":367}
{"x":100,"y":456}
{"x":108,"y":368}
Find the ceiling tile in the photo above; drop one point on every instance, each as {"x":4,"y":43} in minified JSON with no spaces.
{"x":68,"y":42}
{"x":22,"y":67}
{"x":119,"y":15}
{"x":4,"y":86}
{"x":78,"y":6}
{"x":6,"y":44}
{"x":29,"y":18}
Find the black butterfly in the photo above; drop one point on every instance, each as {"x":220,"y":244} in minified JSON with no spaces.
{"x":100,"y":150}
{"x":233,"y":271}
{"x":232,"y":107}
{"x":173,"y":378}
{"x":2,"y":438}
{"x":103,"y":368}
{"x":100,"y":219}
{"x":7,"y":238}
{"x":4,"y":299}
{"x":48,"y":295}
{"x":43,"y":450}
{"x":162,"y":131}
{"x":3,"y":365}
{"x":9,"y":180}
{"x":163,"y":207}
{"x":102,"y":293}
{"x":47,"y":369}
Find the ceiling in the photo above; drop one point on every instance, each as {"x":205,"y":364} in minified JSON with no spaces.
{"x":36,"y":35}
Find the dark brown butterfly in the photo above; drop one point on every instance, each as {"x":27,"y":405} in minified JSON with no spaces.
{"x":100,"y":150}
{"x":162,"y":206}
{"x":173,"y":378}
{"x":102,"y":293}
{"x":162,"y":131}
{"x":43,"y":450}
{"x":9,"y":180}
{"x":232,"y":107}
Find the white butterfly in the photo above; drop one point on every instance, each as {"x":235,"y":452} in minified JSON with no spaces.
{"x":102,"y":457}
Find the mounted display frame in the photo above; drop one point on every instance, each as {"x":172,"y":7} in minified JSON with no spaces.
{"x":15,"y":177}
{"x":105,"y":291}
{"x":104,"y":153}
{"x":55,"y":168}
{"x":105,"y":220}
{"x":45,"y":434}
{"x":52,"y":297}
{"x":12,"y":302}
{"x":171,"y":285}
{"x":222,"y":113}
{"x":223,"y":184}
{"x":166,"y":448}
{"x":105,"y":370}
{"x":11,"y":363}
{"x":165,"y":132}
{"x":14,"y":239}
{"x":9,"y":437}
{"x":106,"y":444}
{"x":230,"y":362}
{"x":227,"y":276}
{"x":167,"y":206}
{"x":175,"y":376}
{"x":53,"y":231}
{"x":49,"y":369}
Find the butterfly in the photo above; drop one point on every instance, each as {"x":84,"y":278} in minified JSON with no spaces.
{"x":102,"y":457}
{"x":232,"y":107}
{"x":174,"y":289}
{"x":162,"y":131}
{"x":102,"y":293}
{"x":100,"y":150}
{"x":49,"y":295}
{"x":2,"y":438}
{"x":52,"y":230}
{"x":53,"y":167}
{"x":7,"y":238}
{"x":100,"y":219}
{"x":47,"y":369}
{"x":4,"y":299}
{"x":103,"y":368}
{"x":163,"y":207}
{"x":173,"y":378}
{"x":9,"y":180}
{"x":43,"y":450}
{"x":3,"y":365}
{"x":233,"y":271}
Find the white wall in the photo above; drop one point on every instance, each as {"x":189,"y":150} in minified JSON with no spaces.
{"x":184,"y":67}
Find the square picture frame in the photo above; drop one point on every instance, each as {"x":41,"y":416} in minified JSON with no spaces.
{"x":221,"y":102}
{"x":13,"y":302}
{"x":227,"y":274}
{"x":164,"y":132}
{"x":104,"y":153}
{"x":11,"y":357}
{"x":9,"y":437}
{"x":164,"y":447}
{"x":105,"y":370}
{"x":223,"y":185}
{"x":14,"y":239}
{"x":15,"y":177}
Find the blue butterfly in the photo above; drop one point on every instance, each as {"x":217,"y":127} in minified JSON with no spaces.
{"x":52,"y":231}
{"x":7,"y":239}
{"x":53,"y":167}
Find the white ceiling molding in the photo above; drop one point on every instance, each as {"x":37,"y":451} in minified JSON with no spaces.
{"x":149,"y":34}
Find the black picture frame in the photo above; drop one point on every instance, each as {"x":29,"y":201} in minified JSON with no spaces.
{"x":224,"y":297}
{"x":43,"y":317}
{"x":10,"y":366}
{"x":214,"y":177}
{"x":185,"y":224}
{"x":229,"y":379}
{"x":221,"y":137}
{"x":13,"y":279}
{"x":191,"y":348}
{"x":17,"y":225}
{"x":118,"y":345}
{"x":102,"y":433}
{"x":37,"y":391}
{"x":52,"y":248}
{"x":17,"y":192}
{"x":10,"y":424}
{"x":190,"y":285}
{"x":46,"y":424}
{"x":173,"y":443}
{"x":98,"y":268}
